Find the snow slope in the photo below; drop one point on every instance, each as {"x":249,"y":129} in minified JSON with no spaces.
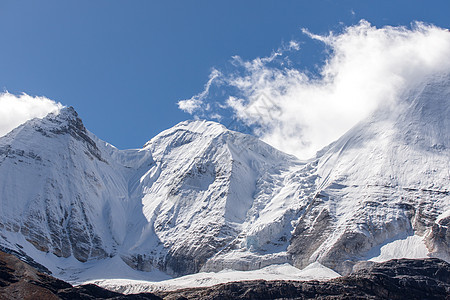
{"x":410,"y":247}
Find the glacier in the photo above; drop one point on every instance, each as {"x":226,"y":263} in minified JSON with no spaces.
{"x":199,"y":198}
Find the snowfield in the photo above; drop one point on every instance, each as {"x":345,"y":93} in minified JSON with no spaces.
{"x":315,"y":271}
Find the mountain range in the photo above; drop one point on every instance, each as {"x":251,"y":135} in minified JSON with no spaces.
{"x":201,"y":198}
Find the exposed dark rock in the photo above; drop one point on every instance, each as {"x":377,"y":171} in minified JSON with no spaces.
{"x":308,"y":237}
{"x":439,"y":239}
{"x":27,"y":259}
{"x":19,"y":280}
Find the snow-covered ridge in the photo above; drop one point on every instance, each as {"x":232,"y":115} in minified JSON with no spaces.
{"x":201,"y":198}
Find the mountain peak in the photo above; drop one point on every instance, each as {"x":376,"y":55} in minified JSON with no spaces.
{"x":68,"y":113}
{"x":66,"y":117}
{"x":196,"y":127}
{"x":65,"y":122}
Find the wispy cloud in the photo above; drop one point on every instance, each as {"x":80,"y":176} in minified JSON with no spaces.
{"x":195,"y":103}
{"x":17,"y":109}
{"x":300,"y":113}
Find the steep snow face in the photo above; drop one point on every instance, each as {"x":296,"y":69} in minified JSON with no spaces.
{"x":386,"y":177}
{"x":60,"y":190}
{"x":279,"y":200}
{"x":401,"y":145}
{"x":199,"y":194}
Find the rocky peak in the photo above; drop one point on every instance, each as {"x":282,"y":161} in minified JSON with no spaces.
{"x":67,"y":121}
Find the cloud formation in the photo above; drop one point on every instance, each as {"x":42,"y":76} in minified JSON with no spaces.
{"x":17,"y":109}
{"x":195,"y":103}
{"x":299,"y":112}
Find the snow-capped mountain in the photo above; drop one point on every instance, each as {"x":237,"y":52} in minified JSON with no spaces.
{"x":60,"y":189}
{"x":195,"y":195}
{"x":386,"y":179}
{"x":171,"y":205}
{"x":199,"y":197}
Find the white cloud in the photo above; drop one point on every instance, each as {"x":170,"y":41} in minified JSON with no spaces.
{"x":195,"y":103}
{"x":17,"y":109}
{"x":366,"y":66}
{"x":294,"y":45}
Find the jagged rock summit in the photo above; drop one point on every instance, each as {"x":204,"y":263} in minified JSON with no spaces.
{"x":199,"y":197}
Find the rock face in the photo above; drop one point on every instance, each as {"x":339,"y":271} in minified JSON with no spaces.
{"x":199,"y":197}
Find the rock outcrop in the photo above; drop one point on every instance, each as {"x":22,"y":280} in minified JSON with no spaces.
{"x":19,"y":280}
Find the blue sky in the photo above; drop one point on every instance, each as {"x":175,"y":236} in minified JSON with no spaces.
{"x":124,"y":65}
